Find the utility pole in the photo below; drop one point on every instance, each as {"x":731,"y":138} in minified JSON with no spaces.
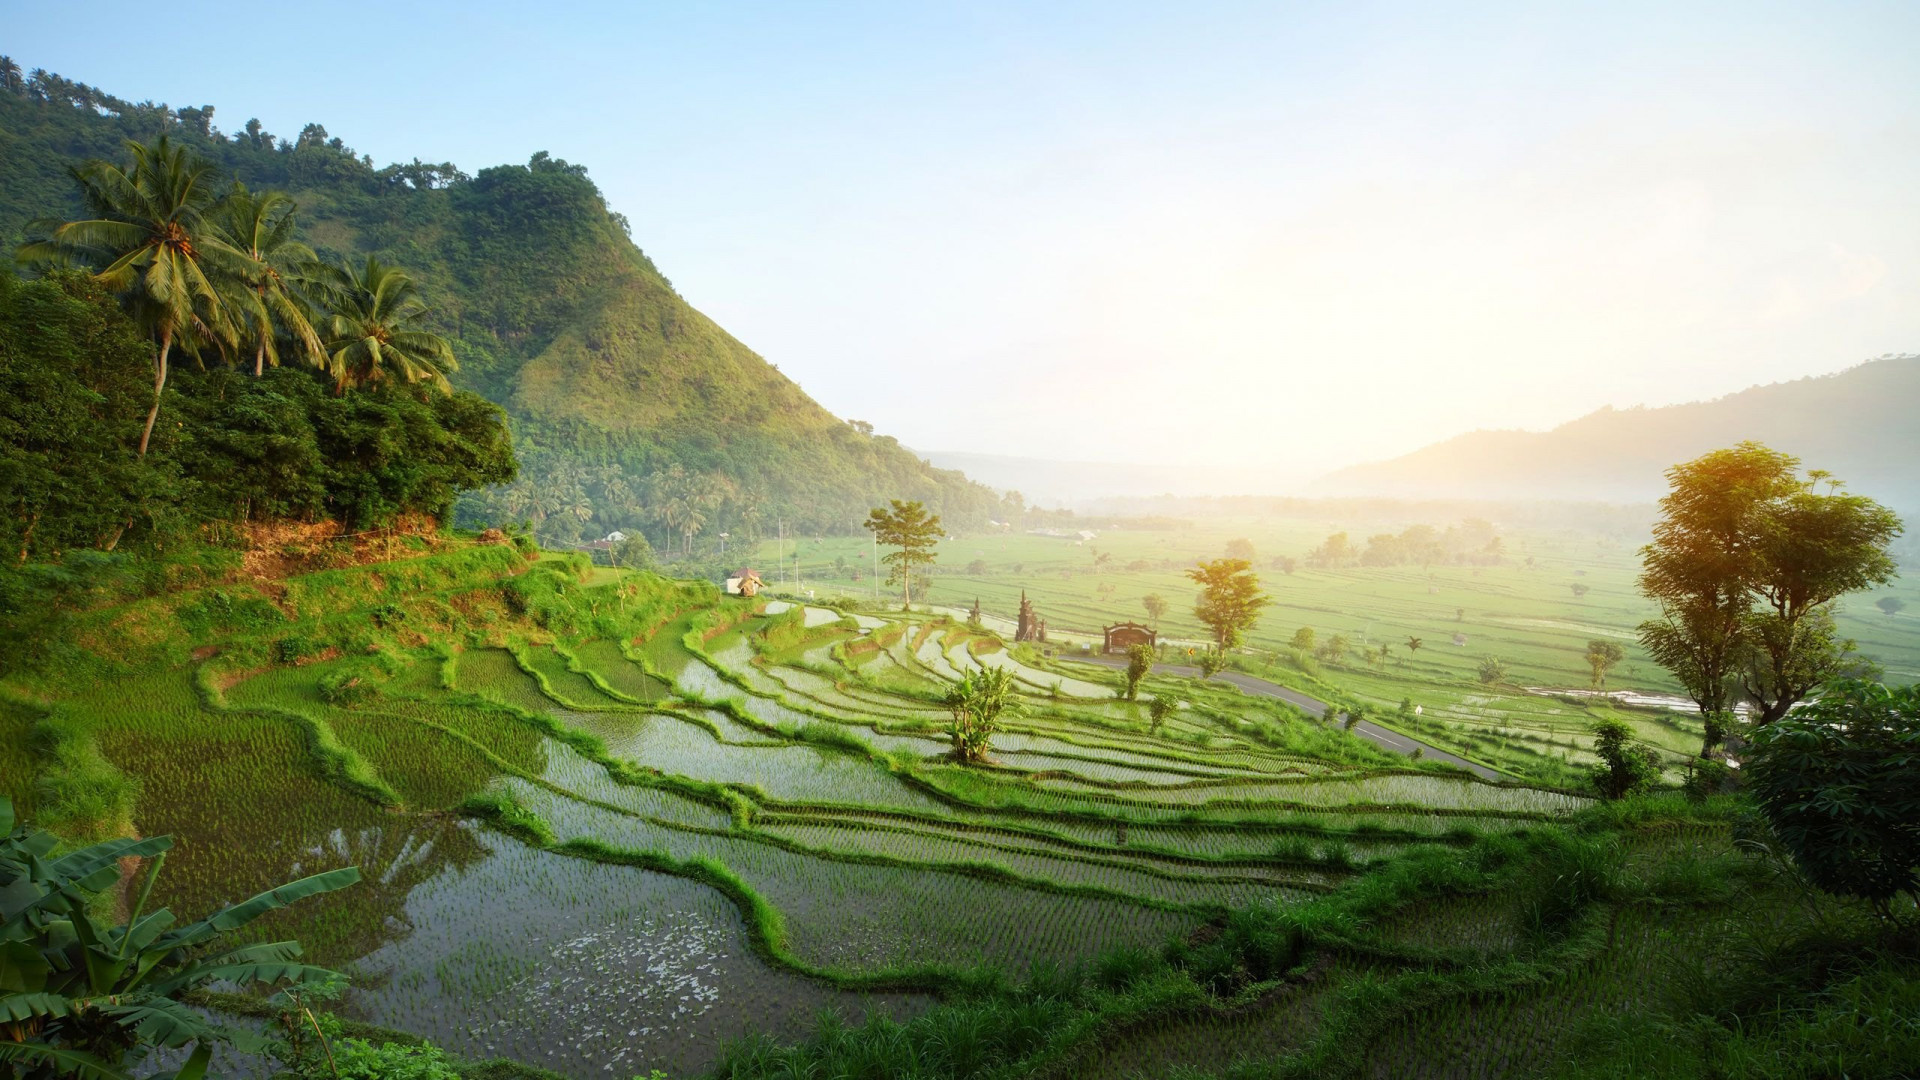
{"x":780,"y":548}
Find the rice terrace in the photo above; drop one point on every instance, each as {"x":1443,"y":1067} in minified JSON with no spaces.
{"x":431,"y":648}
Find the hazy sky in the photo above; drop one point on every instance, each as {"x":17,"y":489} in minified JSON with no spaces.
{"x":1287,"y":233}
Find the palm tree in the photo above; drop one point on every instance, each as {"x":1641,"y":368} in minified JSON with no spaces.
{"x":149,"y":241}
{"x":1413,"y":644}
{"x":260,"y":227}
{"x":371,"y":332}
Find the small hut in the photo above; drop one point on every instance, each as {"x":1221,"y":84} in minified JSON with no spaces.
{"x":743,"y":582}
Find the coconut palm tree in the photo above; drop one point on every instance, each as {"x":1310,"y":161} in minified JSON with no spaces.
{"x":372,"y":329}
{"x":260,"y":227}
{"x":148,"y":239}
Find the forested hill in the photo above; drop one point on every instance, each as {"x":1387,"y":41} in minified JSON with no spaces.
{"x":609,"y":376}
{"x":1858,"y":424}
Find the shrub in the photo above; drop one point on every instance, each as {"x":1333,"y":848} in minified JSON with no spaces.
{"x":1840,"y":781}
{"x":345,"y":688}
{"x":1625,"y":766}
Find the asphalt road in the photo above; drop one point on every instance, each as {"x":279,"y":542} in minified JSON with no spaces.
{"x":1367,"y":729}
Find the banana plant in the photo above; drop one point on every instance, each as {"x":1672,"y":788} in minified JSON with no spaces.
{"x":82,"y":999}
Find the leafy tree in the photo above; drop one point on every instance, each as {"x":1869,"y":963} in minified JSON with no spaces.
{"x":1892,"y":605}
{"x":634,"y":553}
{"x":1579,"y":588}
{"x":1303,"y":639}
{"x":977,"y":703}
{"x":1839,"y":779}
{"x":1744,"y":560}
{"x":1156,"y":606}
{"x":1625,"y":766}
{"x":1159,"y":708}
{"x":1240,"y":548}
{"x":1139,"y":663}
{"x":1230,"y":599}
{"x":82,"y":998}
{"x":150,"y":242}
{"x":1355,"y":714}
{"x":1286,"y":564}
{"x":1493,"y":670}
{"x":260,"y":227}
{"x":1602,"y":656}
{"x":977,"y":567}
{"x":912,"y":532}
{"x":1212,"y":662}
{"x":1336,"y":647}
{"x":373,"y":330}
{"x":1815,"y":548}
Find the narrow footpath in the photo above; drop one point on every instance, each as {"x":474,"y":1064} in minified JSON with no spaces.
{"x":1392,"y":740}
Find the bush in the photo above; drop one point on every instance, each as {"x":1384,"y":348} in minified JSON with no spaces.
{"x":345,"y":688}
{"x":1840,"y":781}
{"x":1625,"y":766}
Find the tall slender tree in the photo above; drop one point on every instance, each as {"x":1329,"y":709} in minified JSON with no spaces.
{"x":149,"y":240}
{"x":912,"y":532}
{"x":259,"y":225}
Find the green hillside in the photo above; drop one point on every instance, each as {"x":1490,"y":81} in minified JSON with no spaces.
{"x":609,"y":375}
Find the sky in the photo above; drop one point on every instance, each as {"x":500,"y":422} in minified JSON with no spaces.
{"x":1285,"y":236}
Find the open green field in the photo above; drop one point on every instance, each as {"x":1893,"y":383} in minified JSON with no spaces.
{"x":1523,"y":610}
{"x":611,"y":823}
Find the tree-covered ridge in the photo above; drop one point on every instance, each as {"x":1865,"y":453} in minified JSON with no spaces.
{"x":608,"y":375}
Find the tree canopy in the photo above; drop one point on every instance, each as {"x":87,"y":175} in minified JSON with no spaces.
{"x":1746,"y":560}
{"x":1230,"y":599}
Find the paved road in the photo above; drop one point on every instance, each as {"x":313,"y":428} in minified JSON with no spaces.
{"x":1392,"y":740}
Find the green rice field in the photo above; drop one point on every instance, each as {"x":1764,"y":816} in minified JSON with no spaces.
{"x":613,"y":827}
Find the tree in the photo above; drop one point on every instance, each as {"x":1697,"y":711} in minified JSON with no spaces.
{"x":977,"y":568}
{"x":1355,"y":714}
{"x":1602,"y":656}
{"x":1212,"y":662}
{"x":1139,"y":663}
{"x":908,"y":528}
{"x":1414,"y":644}
{"x":1892,"y":605}
{"x":1839,"y":779}
{"x":1303,"y":639}
{"x":260,"y":227}
{"x":1744,"y":561}
{"x":1240,"y":548}
{"x":1286,"y":564}
{"x":1493,"y":670}
{"x":1815,"y":548}
{"x":1625,"y":766}
{"x":1230,"y":599}
{"x":82,"y":998}
{"x":1579,"y":588}
{"x":1336,"y":647}
{"x":634,"y":552}
{"x":149,"y":241}
{"x":1156,"y":606}
{"x":1159,"y":708}
{"x":976,"y":703}
{"x":372,"y":330}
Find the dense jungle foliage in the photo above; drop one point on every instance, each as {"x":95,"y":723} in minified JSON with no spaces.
{"x":75,"y":388}
{"x":608,"y":375}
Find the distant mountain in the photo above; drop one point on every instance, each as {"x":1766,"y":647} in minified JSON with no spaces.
{"x":607,"y":373}
{"x":1862,"y":425}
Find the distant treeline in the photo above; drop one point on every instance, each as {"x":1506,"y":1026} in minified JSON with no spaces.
{"x":1628,"y":521}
